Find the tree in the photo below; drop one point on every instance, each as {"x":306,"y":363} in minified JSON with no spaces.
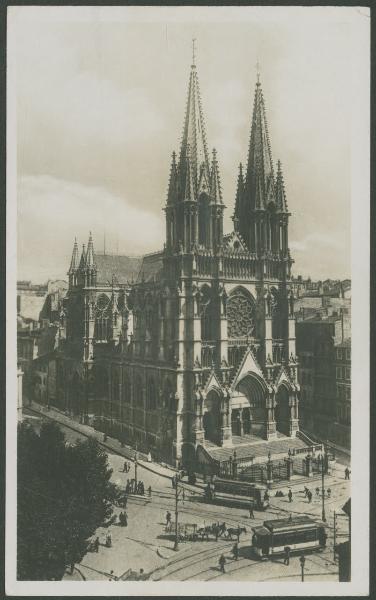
{"x":64,"y":493}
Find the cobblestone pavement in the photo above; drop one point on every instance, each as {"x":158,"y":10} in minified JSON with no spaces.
{"x":143,"y":544}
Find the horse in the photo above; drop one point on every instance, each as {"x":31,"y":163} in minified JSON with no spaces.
{"x":204,"y":532}
{"x":235,"y":531}
{"x":218,"y":529}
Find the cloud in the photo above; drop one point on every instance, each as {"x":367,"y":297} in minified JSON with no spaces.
{"x":51,"y":212}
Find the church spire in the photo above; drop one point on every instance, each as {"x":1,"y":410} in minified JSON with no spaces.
{"x":194,"y":130}
{"x":259,"y":174}
{"x":74,"y":260}
{"x":82,"y":264}
{"x":239,"y":198}
{"x":280,"y":194}
{"x":90,"y":260}
{"x":194,"y":185}
{"x":215,"y":183}
{"x":172,"y":184}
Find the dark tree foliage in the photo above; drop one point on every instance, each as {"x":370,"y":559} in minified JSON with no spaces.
{"x":64,"y":493}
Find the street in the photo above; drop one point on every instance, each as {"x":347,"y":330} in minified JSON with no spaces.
{"x":144,"y":544}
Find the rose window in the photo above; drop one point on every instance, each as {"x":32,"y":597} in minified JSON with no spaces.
{"x":240,"y":316}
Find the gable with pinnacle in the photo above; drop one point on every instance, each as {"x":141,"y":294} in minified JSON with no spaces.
{"x":249,"y":365}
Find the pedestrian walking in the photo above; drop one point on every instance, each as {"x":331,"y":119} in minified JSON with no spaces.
{"x":222,"y":562}
{"x":286,"y":560}
{"x":347,"y":473}
{"x":235,"y":551}
{"x":149,"y":491}
{"x":168,"y":518}
{"x":149,"y":456}
{"x":317,"y":491}
{"x":125,"y":467}
{"x":309,"y":496}
{"x":306,"y":490}
{"x":290,"y":495}
{"x":329,"y":492}
{"x":108,"y":540}
{"x":251,"y":514}
{"x":96,"y":544}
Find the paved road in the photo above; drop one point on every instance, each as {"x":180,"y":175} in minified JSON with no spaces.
{"x":145,"y":545}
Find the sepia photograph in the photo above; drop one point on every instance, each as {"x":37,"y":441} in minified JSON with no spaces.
{"x":187,"y":258}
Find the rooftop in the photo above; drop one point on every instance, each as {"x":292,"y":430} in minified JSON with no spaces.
{"x":124,"y":269}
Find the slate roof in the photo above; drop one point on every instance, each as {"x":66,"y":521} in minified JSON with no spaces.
{"x":124,"y":268}
{"x":151,"y":266}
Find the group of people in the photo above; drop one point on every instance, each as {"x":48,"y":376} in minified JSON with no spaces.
{"x":222,"y":558}
{"x":136,"y":487}
{"x":126,"y":467}
{"x":123,"y":519}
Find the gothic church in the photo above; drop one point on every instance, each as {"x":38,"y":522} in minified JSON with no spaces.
{"x":193,"y":346}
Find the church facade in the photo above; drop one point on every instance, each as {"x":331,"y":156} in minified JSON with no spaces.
{"x":193,"y":345}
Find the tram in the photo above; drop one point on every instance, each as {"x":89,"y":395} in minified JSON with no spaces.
{"x":237,"y":493}
{"x":299,"y":533}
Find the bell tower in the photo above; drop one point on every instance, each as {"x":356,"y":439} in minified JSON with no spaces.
{"x":261,"y":215}
{"x":194,"y":209}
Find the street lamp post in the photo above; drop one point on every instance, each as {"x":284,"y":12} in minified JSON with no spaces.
{"x":176,"y":544}
{"x":322,"y":488}
{"x":302,"y":563}
{"x":135,"y":466}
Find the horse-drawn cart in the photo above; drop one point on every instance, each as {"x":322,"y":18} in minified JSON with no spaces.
{"x":192,"y":531}
{"x":187,"y":532}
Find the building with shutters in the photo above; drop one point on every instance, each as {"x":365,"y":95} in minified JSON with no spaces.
{"x":194,"y":345}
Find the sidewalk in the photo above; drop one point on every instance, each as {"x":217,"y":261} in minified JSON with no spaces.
{"x":110,"y":444}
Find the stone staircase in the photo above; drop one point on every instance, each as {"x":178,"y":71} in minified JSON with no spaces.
{"x":258,"y":449}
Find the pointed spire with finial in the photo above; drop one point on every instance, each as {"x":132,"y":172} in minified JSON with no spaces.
{"x":239,"y":197}
{"x":82,"y":264}
{"x":259,"y":174}
{"x":194,"y":130}
{"x":280,"y":194}
{"x":74,"y":260}
{"x":215,"y":183}
{"x":173,"y":181}
{"x":90,"y":258}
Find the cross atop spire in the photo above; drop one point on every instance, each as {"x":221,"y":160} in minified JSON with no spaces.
{"x":193,"y":52}
{"x":258,"y":71}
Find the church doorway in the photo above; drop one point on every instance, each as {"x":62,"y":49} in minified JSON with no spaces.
{"x":282,"y":411}
{"x":254,"y":415}
{"x":235,"y":422}
{"x":212,"y":418}
{"x":247,"y":421}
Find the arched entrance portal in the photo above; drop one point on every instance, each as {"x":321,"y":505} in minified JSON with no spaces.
{"x":253,"y":413}
{"x":282,"y":411}
{"x":212,"y":417}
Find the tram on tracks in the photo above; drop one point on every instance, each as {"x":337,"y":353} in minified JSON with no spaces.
{"x":299,"y":534}
{"x":237,"y":493}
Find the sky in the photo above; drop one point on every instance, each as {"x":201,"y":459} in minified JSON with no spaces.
{"x":99,"y":100}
